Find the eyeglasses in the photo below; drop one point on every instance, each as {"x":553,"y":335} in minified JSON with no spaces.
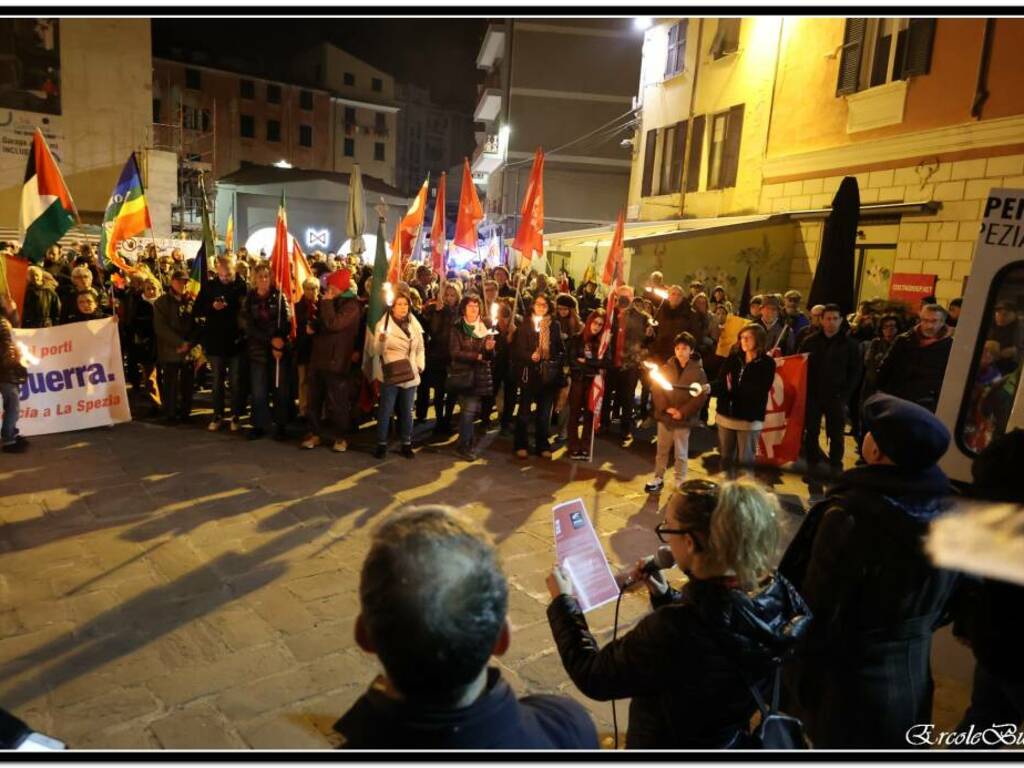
{"x":660,"y":530}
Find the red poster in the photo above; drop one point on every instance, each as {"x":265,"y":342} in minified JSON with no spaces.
{"x":910,"y":287}
{"x":784,"y":418}
{"x":579,"y":552}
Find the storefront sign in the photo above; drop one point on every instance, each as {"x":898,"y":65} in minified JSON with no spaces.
{"x":910,"y":288}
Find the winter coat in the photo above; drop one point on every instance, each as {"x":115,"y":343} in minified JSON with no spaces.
{"x":42,"y":307}
{"x":304,"y":309}
{"x":833,"y":366}
{"x":875,"y":353}
{"x":439,"y":328}
{"x":588,"y":351}
{"x":780,"y":336}
{"x":464,"y":352}
{"x":742,"y":387}
{"x":637,"y":341}
{"x":496,"y":720}
{"x":337,"y":330}
{"x":864,"y":675}
{"x":679,"y":396}
{"x":672,"y":322}
{"x":265,"y":318}
{"x":11,"y":369}
{"x":172,"y":322}
{"x":913,"y":370}
{"x":526,"y":373}
{"x":398,"y":346}
{"x":683,"y":664}
{"x":220,"y":330}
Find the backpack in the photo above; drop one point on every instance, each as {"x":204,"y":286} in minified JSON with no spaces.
{"x":776,"y":730}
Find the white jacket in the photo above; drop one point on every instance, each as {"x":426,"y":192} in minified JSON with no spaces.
{"x":398,"y":346}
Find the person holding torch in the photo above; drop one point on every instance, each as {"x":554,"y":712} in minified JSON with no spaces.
{"x":537,"y":354}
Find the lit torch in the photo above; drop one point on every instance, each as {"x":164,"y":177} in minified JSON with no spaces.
{"x":657,"y":377}
{"x":536,"y":323}
{"x":27,"y":358}
{"x":661,"y":293}
{"x":494,"y":318}
{"x":389,"y":299}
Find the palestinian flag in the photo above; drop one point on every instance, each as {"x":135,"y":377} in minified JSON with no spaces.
{"x":47,"y":210}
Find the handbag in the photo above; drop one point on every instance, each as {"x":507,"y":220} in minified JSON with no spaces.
{"x":776,"y":730}
{"x":551,"y":373}
{"x":460,"y":381}
{"x":397,"y":372}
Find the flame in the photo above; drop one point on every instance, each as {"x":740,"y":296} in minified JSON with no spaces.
{"x":389,"y":294}
{"x":536,"y":323}
{"x":494,"y":313}
{"x":661,"y":293}
{"x":27,"y":358}
{"x":657,"y":377}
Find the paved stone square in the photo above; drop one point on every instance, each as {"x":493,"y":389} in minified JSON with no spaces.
{"x":172,"y":588}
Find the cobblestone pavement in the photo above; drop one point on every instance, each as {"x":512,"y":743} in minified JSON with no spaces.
{"x":169,"y":587}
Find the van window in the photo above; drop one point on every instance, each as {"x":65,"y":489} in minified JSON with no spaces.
{"x":994,"y":376}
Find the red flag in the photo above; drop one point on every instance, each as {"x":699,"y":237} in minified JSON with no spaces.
{"x":280,"y":258}
{"x":783,"y":429}
{"x":613,"y":264}
{"x":613,"y":279}
{"x":529,"y":238}
{"x":405,"y":234}
{"x":470,"y":212}
{"x":301,"y":271}
{"x":438,"y":236}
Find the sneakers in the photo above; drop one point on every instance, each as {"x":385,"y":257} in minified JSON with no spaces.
{"x":407,"y":451}
{"x":522,"y":453}
{"x":20,"y":445}
{"x":655,"y":485}
{"x":235,"y":426}
{"x":214,"y":425}
{"x":340,"y":446}
{"x":579,"y":456}
{"x":380,"y":451}
{"x":309,"y":442}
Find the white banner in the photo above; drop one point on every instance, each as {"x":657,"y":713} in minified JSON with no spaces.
{"x":134,"y":247}
{"x":75,"y":378}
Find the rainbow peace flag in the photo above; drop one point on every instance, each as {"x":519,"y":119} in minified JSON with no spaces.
{"x":127,"y":214}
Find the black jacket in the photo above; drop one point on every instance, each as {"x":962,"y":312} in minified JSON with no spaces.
{"x":742,"y":387}
{"x":834,"y":366}
{"x":672,"y":322}
{"x":497,"y":720}
{"x":463,"y":352}
{"x":42,"y":307}
{"x":220,"y":330}
{"x":265,"y":318}
{"x":588,"y":352}
{"x":524,"y":342}
{"x":683,"y":664}
{"x":914,"y":371}
{"x":864,"y":676}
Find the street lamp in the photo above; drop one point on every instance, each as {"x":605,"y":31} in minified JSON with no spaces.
{"x":282,"y":164}
{"x":642,"y":23}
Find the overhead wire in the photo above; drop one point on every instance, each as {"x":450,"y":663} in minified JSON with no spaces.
{"x":601,"y":134}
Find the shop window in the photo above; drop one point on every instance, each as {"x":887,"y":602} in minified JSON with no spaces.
{"x":991,"y":385}
{"x":246,"y":89}
{"x":880,"y":51}
{"x":273,"y":130}
{"x":246,"y":126}
{"x":676,"y":58}
{"x":306,"y":135}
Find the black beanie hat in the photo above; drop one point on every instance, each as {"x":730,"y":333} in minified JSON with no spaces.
{"x":566,"y":300}
{"x":911,"y":436}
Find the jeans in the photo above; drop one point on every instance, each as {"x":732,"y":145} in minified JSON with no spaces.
{"x":262,"y":376}
{"x":176,"y":389}
{"x":233,"y":364}
{"x":12,"y":407}
{"x":332,"y":389}
{"x":390,"y":396}
{"x":469,"y":407}
{"x":994,"y":701}
{"x":544,"y":398}
{"x":737,"y":448}
{"x":832,"y":409}
{"x":669,"y":438}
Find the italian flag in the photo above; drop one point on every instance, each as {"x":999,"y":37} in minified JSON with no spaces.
{"x":47,"y":211}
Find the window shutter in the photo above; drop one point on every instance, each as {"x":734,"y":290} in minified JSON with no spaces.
{"x":849,"y":62}
{"x":677,"y":157}
{"x":670,"y":59}
{"x":731,"y":150}
{"x":648,"y":178}
{"x":696,"y":151}
{"x":917,"y":56}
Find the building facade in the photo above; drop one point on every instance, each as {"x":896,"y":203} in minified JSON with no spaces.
{"x":556,"y":83}
{"x":431,"y":139}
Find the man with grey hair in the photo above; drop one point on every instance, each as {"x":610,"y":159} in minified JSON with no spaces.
{"x":916,"y":363}
{"x":433,"y":603}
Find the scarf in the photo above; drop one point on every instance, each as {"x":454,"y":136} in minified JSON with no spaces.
{"x":475,"y":331}
{"x":544,"y":338}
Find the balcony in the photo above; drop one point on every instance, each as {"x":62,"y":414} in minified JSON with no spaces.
{"x":489,"y":105}
{"x":488,"y":155}
{"x":492,"y":49}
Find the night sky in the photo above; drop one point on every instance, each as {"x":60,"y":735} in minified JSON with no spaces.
{"x":439,"y":54}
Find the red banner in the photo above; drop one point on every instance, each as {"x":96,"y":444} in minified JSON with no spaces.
{"x":911,"y":287}
{"x":783,"y":430}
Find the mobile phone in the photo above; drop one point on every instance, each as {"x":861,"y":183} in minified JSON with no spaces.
{"x":37,"y":742}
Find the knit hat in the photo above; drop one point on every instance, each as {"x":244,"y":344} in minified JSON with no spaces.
{"x":340,"y":279}
{"x":912,"y":436}
{"x":179,"y":274}
{"x":566,"y":300}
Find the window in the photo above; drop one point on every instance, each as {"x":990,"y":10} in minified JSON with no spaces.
{"x":273,"y":94}
{"x":273,"y":130}
{"x":727,"y":38}
{"x":994,"y":377}
{"x":306,"y":100}
{"x":349,"y":79}
{"x":193,"y":79}
{"x":650,"y":146}
{"x":724,"y":148}
{"x":378,"y":151}
{"x":246,"y":89}
{"x":880,"y":51}
{"x":306,"y":135}
{"x":380,"y":122}
{"x":696,"y":153}
{"x":156,"y":110}
{"x":246,"y":127}
{"x":350,"y":147}
{"x":673,"y":147}
{"x":676,"y":59}
{"x":377,"y":85}
{"x":350,"y":115}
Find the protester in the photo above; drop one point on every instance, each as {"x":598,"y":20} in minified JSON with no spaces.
{"x":433,"y":608}
{"x":864,"y":676}
{"x":142,"y":355}
{"x":42,"y":306}
{"x":398,"y":361}
{"x":741,"y":392}
{"x":173,"y":325}
{"x":587,"y":298}
{"x":537,"y":359}
{"x":305,"y":324}
{"x":862,"y":322}
{"x":677,"y":409}
{"x":570,"y":326}
{"x":953,"y":312}
{"x":440,"y":315}
{"x":266,"y":321}
{"x":916,"y":363}
{"x":471,"y":351}
{"x":754,"y":310}
{"x":86,"y":308}
{"x":674,"y":316}
{"x":781,"y":340}
{"x":1008,"y":331}
{"x":877,"y":349}
{"x":585,"y":362}
{"x":684,"y":667}
{"x":792,"y":316}
{"x":337,"y":328}
{"x":631,"y":334}
{"x":704,"y":325}
{"x":813,"y":325}
{"x":218,"y":310}
{"x":12,"y":375}
{"x":833,"y":370}
{"x":719,"y":298}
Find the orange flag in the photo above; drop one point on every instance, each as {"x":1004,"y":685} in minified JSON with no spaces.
{"x":405,"y":234}
{"x":280,"y":261}
{"x":529,"y":238}
{"x":437,"y":231}
{"x":470,"y":212}
{"x":300,"y":271}
{"x":613,"y":264}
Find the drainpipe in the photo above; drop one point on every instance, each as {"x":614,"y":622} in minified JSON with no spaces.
{"x":981,"y":93}
{"x":689,"y":121}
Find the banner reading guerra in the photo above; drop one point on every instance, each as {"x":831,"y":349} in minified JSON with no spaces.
{"x":78,"y":381}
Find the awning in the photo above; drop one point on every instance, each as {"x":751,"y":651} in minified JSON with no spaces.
{"x":696,"y":227}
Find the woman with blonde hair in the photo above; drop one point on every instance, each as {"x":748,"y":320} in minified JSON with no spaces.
{"x":690,"y":665}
